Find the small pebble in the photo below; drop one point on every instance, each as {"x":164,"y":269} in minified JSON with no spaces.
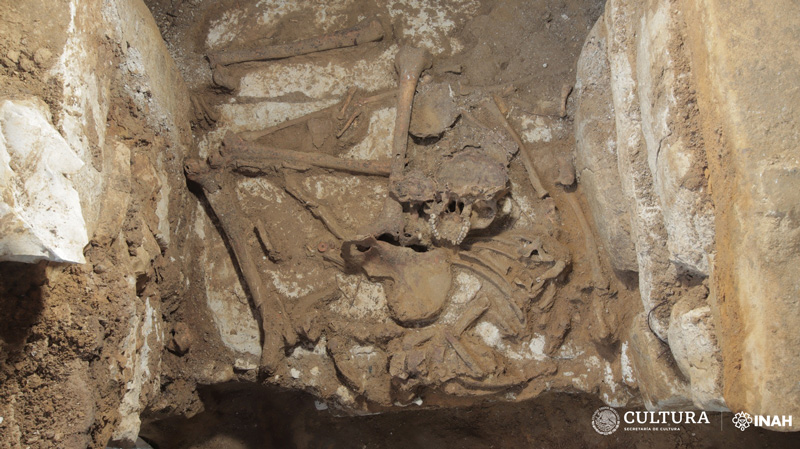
{"x":13,"y":55}
{"x":26,"y":64}
{"x":41,"y":56}
{"x":544,"y":65}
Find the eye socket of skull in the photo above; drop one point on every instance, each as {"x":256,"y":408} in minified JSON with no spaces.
{"x":483,"y":213}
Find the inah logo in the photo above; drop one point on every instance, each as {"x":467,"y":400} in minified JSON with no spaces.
{"x":742,"y":420}
{"x":605,"y":420}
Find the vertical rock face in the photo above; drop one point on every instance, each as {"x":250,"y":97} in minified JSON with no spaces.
{"x":93,"y":128}
{"x":596,"y":157}
{"x":748,"y":97}
{"x":40,"y":210}
{"x":705,"y":133}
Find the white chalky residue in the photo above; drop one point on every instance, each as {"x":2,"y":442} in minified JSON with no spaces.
{"x":527,"y":214}
{"x":360,"y":297}
{"x":536,"y":347}
{"x":344,"y":395}
{"x":533,"y":350}
{"x":569,"y":351}
{"x":223,"y":30}
{"x":366,"y":351}
{"x":609,"y":378}
{"x":138,"y":361}
{"x":239,"y":117}
{"x":228,"y":304}
{"x":429,"y":23}
{"x":535,"y":129}
{"x":579,"y":382}
{"x":625,"y":362}
{"x":489,"y":333}
{"x":162,"y":206}
{"x":259,"y":188}
{"x":327,"y":187}
{"x":319,"y":81}
{"x":84,"y":108}
{"x":199,"y":221}
{"x":466,"y":288}
{"x":320,"y":349}
{"x":287,"y":285}
{"x":592,"y":362}
{"x":378,"y":142}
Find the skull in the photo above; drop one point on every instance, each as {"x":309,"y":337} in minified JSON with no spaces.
{"x":468,"y":188}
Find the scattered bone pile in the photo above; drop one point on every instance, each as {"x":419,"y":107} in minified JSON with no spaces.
{"x":467,"y":269}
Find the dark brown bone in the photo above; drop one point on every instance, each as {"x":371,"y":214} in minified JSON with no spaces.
{"x":363,"y":32}
{"x":251,"y":157}
{"x":526,"y":159}
{"x":276,"y":326}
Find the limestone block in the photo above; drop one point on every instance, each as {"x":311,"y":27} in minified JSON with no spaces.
{"x":747,"y":78}
{"x":693,"y":342}
{"x":662,"y":384}
{"x":40,"y":210}
{"x":596,"y":152}
{"x":647,"y":221}
{"x":675,"y":152}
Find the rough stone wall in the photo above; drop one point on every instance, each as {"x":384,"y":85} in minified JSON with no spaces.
{"x":81,"y":345}
{"x":697,"y":137}
{"x":747,"y":69}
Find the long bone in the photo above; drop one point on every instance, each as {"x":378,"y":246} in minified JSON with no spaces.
{"x":252,"y":157}
{"x":235,"y":226}
{"x":526,"y":158}
{"x":409,"y":63}
{"x":362,"y":33}
{"x":598,"y":279}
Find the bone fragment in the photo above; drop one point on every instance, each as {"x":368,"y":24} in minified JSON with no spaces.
{"x":475,"y":309}
{"x":526,"y":159}
{"x":348,"y":123}
{"x":463,"y":353}
{"x":554,"y":271}
{"x":566,"y":89}
{"x":269,"y":248}
{"x":377,"y":97}
{"x":416,"y":338}
{"x":349,"y":99}
{"x":319,"y":212}
{"x":366,"y":31}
